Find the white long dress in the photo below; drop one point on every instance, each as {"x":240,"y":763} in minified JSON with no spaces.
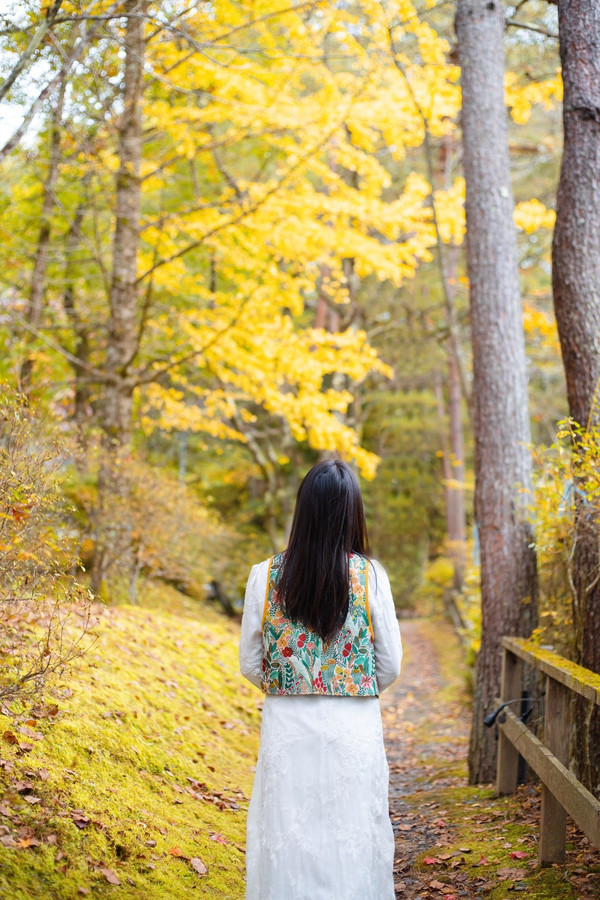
{"x":318,"y":822}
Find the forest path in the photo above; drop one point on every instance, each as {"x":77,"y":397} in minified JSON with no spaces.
{"x":455,"y":841}
{"x":426,"y":719}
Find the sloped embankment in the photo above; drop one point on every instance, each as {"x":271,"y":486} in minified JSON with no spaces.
{"x":132,"y":778}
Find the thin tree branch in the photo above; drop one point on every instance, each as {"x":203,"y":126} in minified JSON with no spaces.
{"x":34,"y":43}
{"x":535,"y":28}
{"x":99,"y":376}
{"x":73,"y":56}
{"x":147,"y":375}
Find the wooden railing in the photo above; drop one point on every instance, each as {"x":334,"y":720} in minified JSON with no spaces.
{"x":562,"y":794}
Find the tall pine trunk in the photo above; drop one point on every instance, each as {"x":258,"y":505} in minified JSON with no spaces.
{"x":500,"y":403}
{"x":113,"y":543}
{"x":576,"y":286}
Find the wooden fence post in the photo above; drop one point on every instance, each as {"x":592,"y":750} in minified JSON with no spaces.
{"x":557,"y":730}
{"x":508,"y":756}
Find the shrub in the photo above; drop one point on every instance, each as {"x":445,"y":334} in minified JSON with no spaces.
{"x":39,"y":596}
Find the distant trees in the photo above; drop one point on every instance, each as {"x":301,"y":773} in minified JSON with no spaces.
{"x":204,"y":180}
{"x":500,"y":403}
{"x":576,"y":289}
{"x":228,"y":213}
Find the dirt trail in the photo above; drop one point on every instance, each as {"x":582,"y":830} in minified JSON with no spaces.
{"x":426,"y":724}
{"x":435,"y":814}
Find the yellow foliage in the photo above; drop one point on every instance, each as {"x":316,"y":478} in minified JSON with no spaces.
{"x":521,"y":98}
{"x":450,"y":211}
{"x":543,"y":323}
{"x":530,"y":215}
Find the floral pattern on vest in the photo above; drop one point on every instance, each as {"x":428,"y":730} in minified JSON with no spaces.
{"x":298,"y":661}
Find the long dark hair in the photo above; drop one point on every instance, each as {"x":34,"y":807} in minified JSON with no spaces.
{"x":329,"y":524}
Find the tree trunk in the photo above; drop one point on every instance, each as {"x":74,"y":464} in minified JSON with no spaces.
{"x":457,"y":531}
{"x":576,"y":286}
{"x":455,"y":491}
{"x":453,"y":497}
{"x":112,"y":533}
{"x":82,"y":351}
{"x":500,"y":406}
{"x":40,"y":264}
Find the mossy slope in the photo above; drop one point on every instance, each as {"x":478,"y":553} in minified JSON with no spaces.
{"x":154,"y":743}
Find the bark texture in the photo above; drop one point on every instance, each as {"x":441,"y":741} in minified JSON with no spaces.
{"x":112,"y":539}
{"x":576,"y":286}
{"x":500,"y":404}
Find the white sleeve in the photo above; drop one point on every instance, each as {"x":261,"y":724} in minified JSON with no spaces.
{"x":388,"y":643}
{"x":251,"y":642}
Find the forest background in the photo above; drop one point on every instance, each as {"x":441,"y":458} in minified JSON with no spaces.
{"x":232,"y":242}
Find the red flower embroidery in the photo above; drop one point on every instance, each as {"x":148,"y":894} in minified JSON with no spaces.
{"x":287,"y":651}
{"x":346,"y":650}
{"x":301,"y":640}
{"x":318,"y":683}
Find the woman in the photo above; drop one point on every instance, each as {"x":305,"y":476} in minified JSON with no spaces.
{"x":320,"y":637}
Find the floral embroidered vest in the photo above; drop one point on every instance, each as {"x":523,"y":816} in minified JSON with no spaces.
{"x":298,"y":661}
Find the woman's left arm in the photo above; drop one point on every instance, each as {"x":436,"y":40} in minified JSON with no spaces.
{"x":251,"y":642}
{"x":388,"y":643}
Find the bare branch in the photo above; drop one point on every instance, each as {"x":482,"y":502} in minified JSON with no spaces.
{"x":34,"y":43}
{"x":62,"y":73}
{"x":536,"y":28}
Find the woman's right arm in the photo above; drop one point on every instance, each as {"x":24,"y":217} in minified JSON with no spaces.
{"x":386,"y":631}
{"x":251,"y":642}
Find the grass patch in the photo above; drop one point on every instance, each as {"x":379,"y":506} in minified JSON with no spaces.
{"x":139,"y":762}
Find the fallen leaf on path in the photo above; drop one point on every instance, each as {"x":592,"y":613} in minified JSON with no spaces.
{"x":438,"y":886}
{"x":28,"y":842}
{"x":198,"y":865}
{"x":518,"y":854}
{"x":79,"y":818}
{"x":110,"y":876}
{"x":22,"y":787}
{"x":508,"y":872}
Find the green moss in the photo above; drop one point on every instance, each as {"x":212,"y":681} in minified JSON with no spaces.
{"x":155,"y":745}
{"x":577,"y":672}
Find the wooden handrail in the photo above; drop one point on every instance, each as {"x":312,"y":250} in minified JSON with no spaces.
{"x":575,"y":677}
{"x":561,"y":792}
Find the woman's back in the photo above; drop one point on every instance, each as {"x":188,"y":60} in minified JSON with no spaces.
{"x":318,"y":823}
